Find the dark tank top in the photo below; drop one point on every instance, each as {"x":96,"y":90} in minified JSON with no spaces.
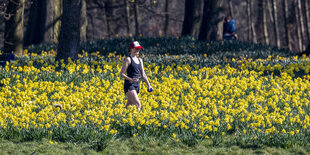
{"x":134,"y":71}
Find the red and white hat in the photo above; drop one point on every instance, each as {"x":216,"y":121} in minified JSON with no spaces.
{"x":135,"y":45}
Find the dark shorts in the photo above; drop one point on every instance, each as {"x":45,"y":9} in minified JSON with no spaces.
{"x":128,"y":87}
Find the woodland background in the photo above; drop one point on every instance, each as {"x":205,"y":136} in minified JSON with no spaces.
{"x":283,"y":23}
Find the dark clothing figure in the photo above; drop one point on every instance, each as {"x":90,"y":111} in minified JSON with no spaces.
{"x":6,"y":58}
{"x":229,"y":29}
{"x":133,"y":71}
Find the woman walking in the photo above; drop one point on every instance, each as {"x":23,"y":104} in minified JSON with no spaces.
{"x":133,"y":66}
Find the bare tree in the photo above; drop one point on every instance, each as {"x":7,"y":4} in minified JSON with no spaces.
{"x":118,"y":17}
{"x":50,"y":15}
{"x":252,"y":23}
{"x":58,"y":14}
{"x":265,"y":24}
{"x":44,"y":24}
{"x":35,"y":27}
{"x":249,"y":20}
{"x":270,"y":9}
{"x":14,"y":34}
{"x":307,"y":50}
{"x":83,"y":21}
{"x":69,"y":38}
{"x":192,"y":17}
{"x":307,"y":19}
{"x":231,"y":9}
{"x":259,"y":22}
{"x":166,"y":17}
{"x":287,"y":30}
{"x":137,"y":18}
{"x":3,"y":9}
{"x":298,"y":27}
{"x":251,"y":28}
{"x":127,"y":7}
{"x":302,"y":26}
{"x":110,"y":16}
{"x":276,"y":27}
{"x":212,"y":21}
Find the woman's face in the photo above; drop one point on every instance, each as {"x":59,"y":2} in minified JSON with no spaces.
{"x":135,"y":51}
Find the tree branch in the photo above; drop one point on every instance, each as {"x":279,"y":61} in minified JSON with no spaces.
{"x":162,"y":14}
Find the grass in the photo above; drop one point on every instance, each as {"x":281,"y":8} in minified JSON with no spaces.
{"x":43,"y":147}
{"x":142,"y":146}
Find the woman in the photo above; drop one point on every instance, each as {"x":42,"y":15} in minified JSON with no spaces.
{"x":134,"y":68}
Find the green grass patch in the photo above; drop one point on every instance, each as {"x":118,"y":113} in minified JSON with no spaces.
{"x":142,"y":146}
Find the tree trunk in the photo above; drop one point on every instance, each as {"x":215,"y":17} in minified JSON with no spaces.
{"x":108,"y":17}
{"x":44,"y":24}
{"x":249,"y":27}
{"x":192,"y":17}
{"x":91,"y":32}
{"x":259,"y":30}
{"x":58,"y":14}
{"x":14,"y":34}
{"x":69,"y":37}
{"x":35,"y":29}
{"x":83,"y":21}
{"x":231,"y":9}
{"x":47,"y":15}
{"x":127,"y":7}
{"x":254,"y":39}
{"x":276,"y":27}
{"x":302,"y":26}
{"x":270,"y":10}
{"x":51,"y":13}
{"x":265,"y":21}
{"x":212,"y":21}
{"x":298,"y":26}
{"x":111,"y":25}
{"x":137,"y":18}
{"x":166,"y":17}
{"x":287,"y":30}
{"x":307,"y":19}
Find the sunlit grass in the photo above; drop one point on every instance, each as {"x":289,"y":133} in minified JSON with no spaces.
{"x":138,"y":146}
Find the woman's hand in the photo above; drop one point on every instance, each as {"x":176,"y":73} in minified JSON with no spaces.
{"x":150,"y":89}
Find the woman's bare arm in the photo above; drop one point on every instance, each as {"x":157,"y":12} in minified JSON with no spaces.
{"x":124,"y":69}
{"x":144,"y":75}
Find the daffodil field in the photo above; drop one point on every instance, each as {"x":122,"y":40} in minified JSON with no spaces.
{"x":261,"y":101}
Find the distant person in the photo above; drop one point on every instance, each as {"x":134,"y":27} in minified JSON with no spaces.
{"x":133,"y":66}
{"x":229,"y":29}
{"x":6,"y":57}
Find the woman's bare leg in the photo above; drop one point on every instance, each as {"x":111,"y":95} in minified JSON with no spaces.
{"x":128,"y":102}
{"x":133,"y":98}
